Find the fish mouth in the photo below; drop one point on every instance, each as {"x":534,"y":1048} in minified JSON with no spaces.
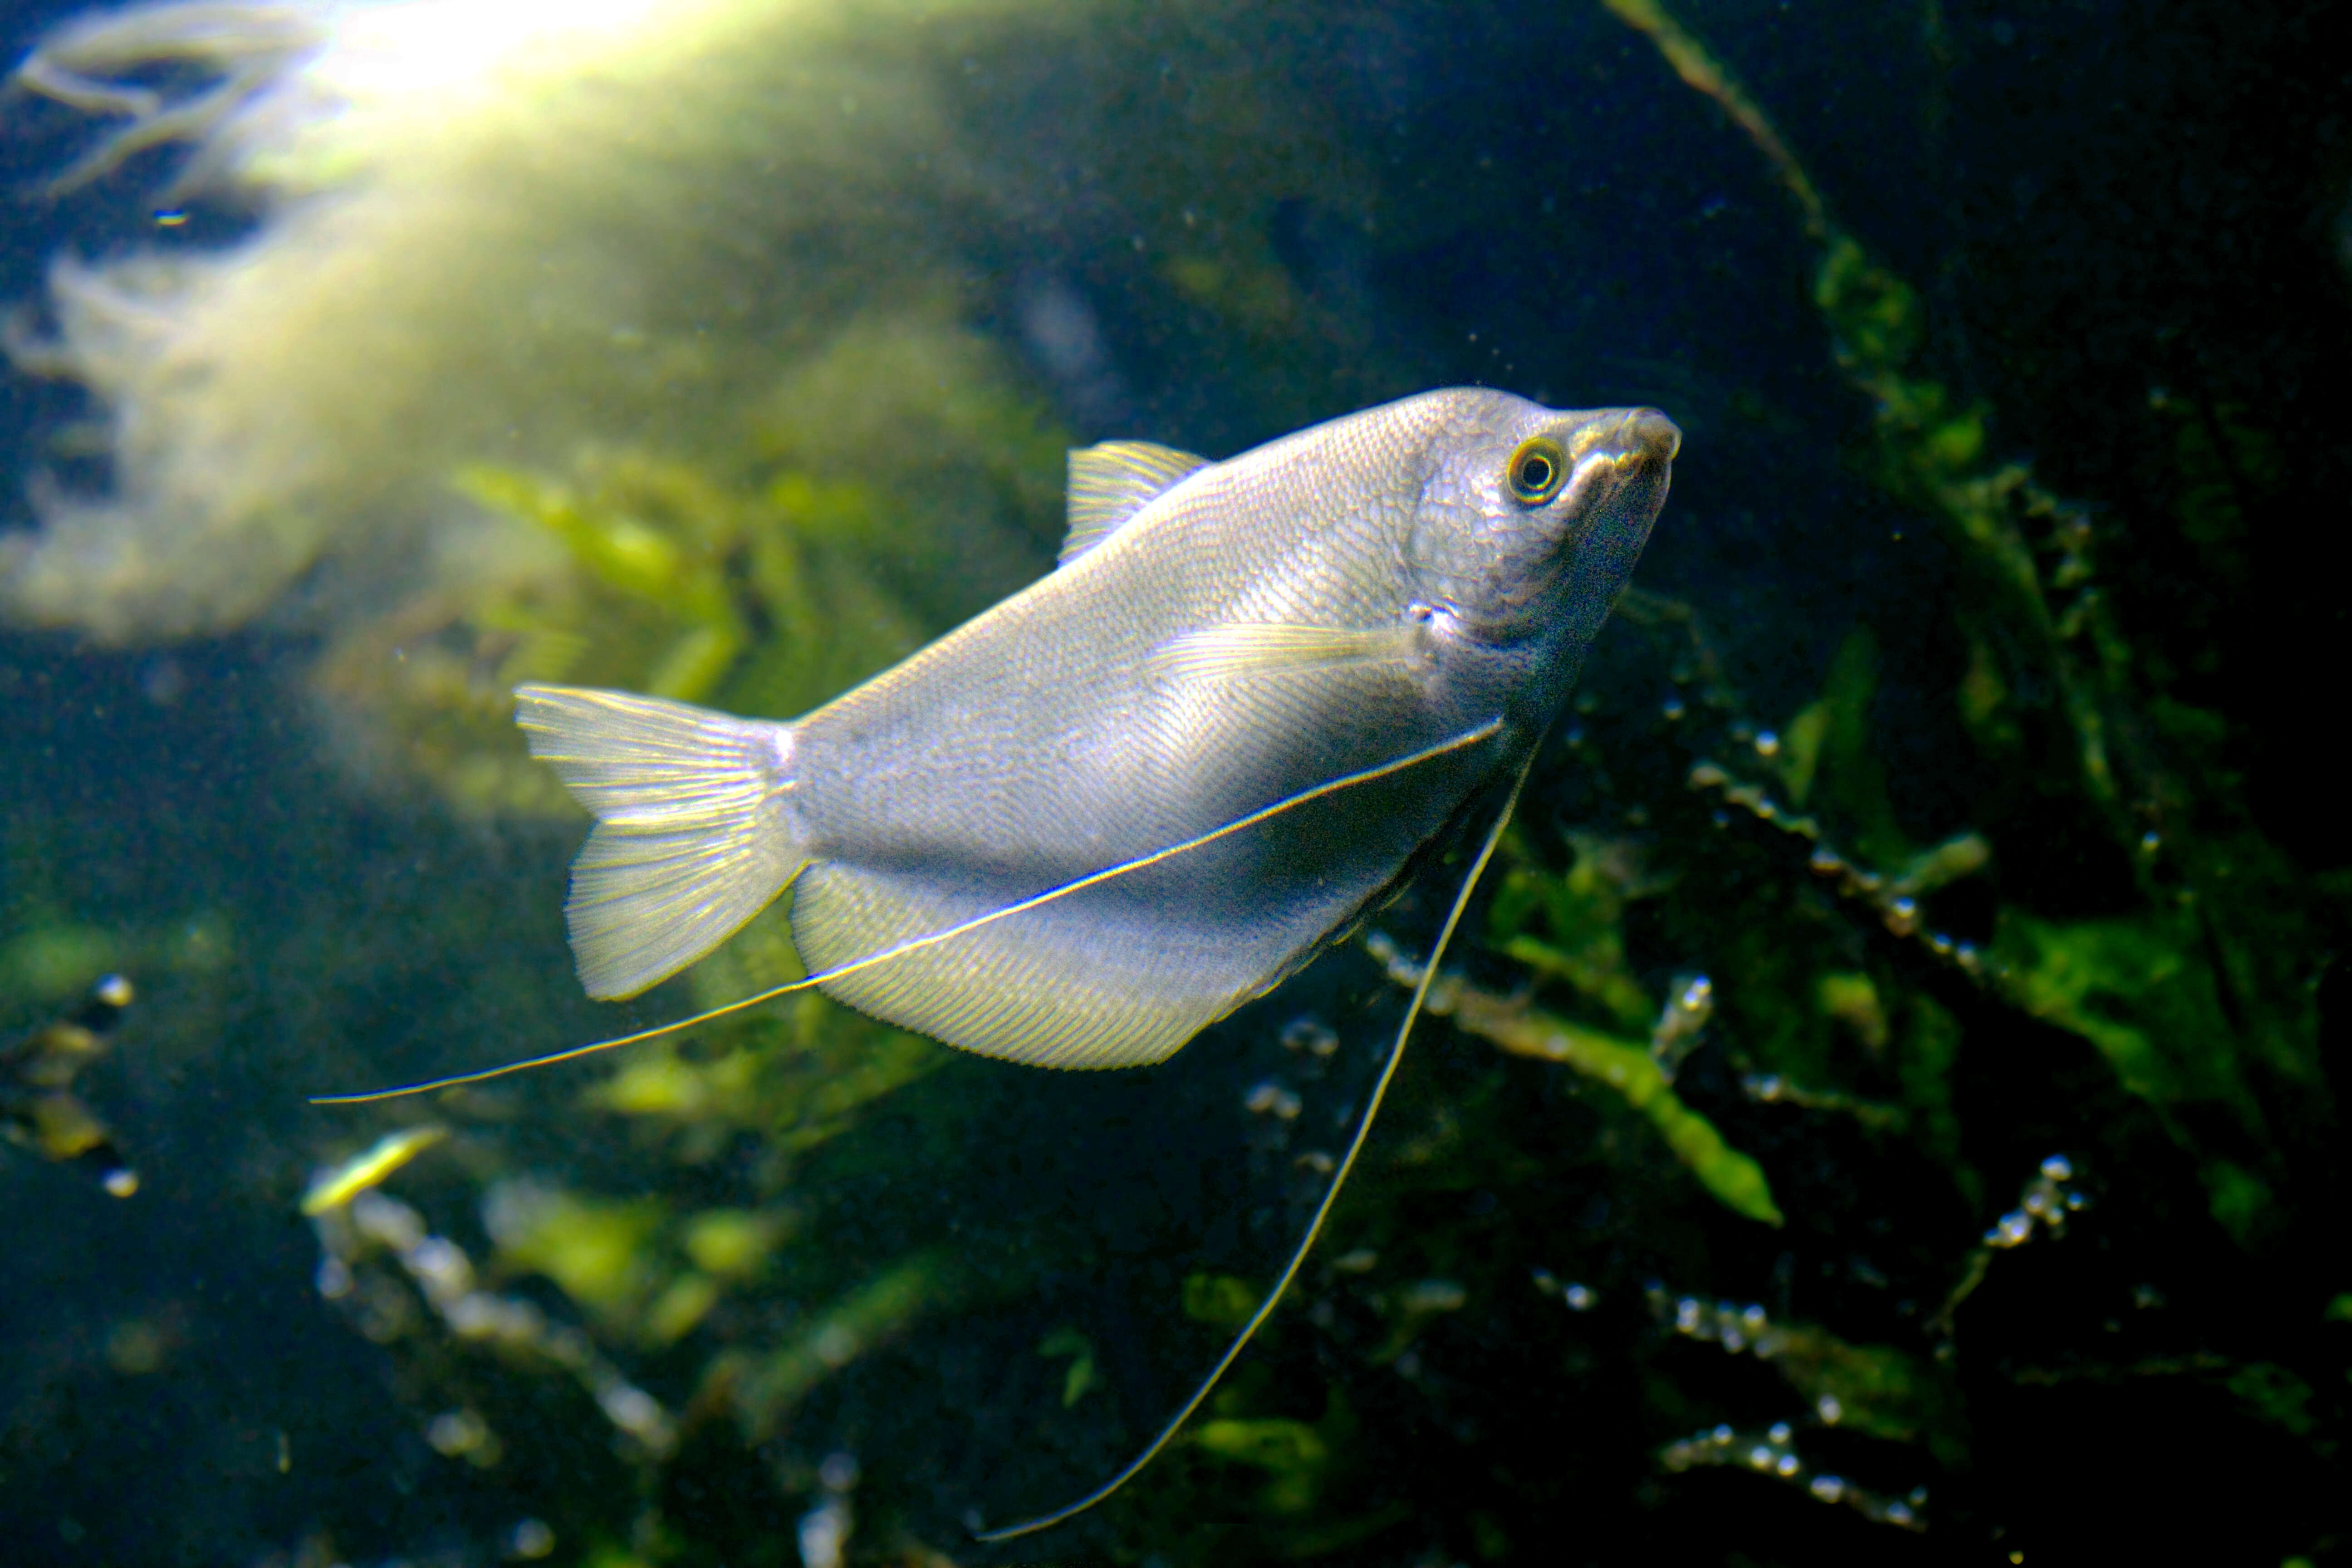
{"x":1619,"y":455}
{"x":1625,"y":443}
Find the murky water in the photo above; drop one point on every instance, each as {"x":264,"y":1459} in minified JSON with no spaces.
{"x":1883,"y":1104}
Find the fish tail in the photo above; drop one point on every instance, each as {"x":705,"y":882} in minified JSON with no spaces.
{"x":694,"y":835}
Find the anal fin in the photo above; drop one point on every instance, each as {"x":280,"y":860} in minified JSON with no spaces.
{"x":1088,"y":980}
{"x":1117,"y":968}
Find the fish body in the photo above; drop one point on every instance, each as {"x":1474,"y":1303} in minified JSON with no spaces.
{"x":1126,"y":800}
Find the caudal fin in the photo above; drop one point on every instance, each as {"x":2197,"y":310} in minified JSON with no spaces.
{"x":693,"y":833}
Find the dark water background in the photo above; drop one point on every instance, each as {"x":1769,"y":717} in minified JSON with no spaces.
{"x":2111,"y":212}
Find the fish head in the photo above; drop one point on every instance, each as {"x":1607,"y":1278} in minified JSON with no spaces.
{"x":1531,"y":518}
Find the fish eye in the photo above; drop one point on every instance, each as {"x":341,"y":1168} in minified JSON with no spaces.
{"x":1535,"y":471}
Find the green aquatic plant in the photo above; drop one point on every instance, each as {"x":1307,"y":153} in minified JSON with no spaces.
{"x":502,"y":238}
{"x":891,"y":483}
{"x":2189,"y":974}
{"x":656,"y":534}
{"x":1292,"y":1454}
{"x":1636,"y":1073}
{"x":2182,"y":996}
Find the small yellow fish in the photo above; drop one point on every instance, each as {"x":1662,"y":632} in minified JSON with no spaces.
{"x":38,"y":1107}
{"x":336,"y":1186}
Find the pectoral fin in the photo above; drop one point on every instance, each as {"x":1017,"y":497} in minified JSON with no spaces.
{"x":1244,"y":649}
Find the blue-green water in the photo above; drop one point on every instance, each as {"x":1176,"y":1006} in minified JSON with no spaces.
{"x":1995,"y":562}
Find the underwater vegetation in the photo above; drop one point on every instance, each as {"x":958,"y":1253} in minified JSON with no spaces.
{"x":478,"y":239}
{"x":1880,"y":1107}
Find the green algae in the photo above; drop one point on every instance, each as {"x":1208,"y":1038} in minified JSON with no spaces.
{"x":655,"y":534}
{"x":1734,"y":1179}
{"x":1567,"y":926}
{"x":2133,"y":987}
{"x":1633,"y":1074}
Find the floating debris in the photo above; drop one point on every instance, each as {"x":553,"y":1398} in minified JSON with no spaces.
{"x":1412,"y":1306}
{"x":1080,"y":1378}
{"x":1853,"y":999}
{"x":531,"y":1540}
{"x":465,"y":1435}
{"x":2046,"y":1201}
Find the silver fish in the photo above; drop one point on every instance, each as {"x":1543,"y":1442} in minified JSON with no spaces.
{"x":1132,"y":797}
{"x":1146,"y":789}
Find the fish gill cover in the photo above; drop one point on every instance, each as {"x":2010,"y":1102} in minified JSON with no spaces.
{"x":1886,"y":1106}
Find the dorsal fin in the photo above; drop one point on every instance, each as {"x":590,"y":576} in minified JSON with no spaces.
{"x":1112,"y":481}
